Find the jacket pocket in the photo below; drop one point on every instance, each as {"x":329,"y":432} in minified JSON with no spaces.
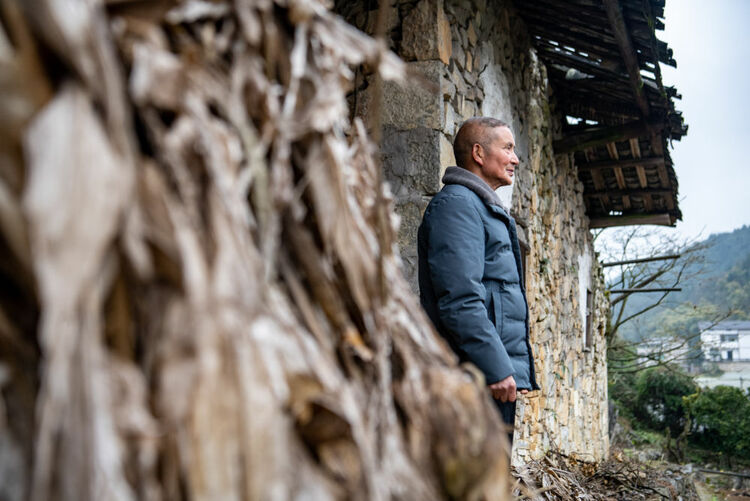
{"x":497,"y":309}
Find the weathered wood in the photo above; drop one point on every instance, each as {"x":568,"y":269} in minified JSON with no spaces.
{"x":644,"y":192}
{"x":626,"y":205}
{"x":642,"y":179}
{"x":663,"y":177}
{"x":601,"y":135}
{"x":619,"y":177}
{"x":612,"y":150}
{"x":663,"y":219}
{"x":599,"y":185}
{"x":635,"y":147}
{"x":594,"y":108}
{"x":598,"y":179}
{"x":622,"y":164}
{"x":648,"y":202}
{"x":614,"y":13}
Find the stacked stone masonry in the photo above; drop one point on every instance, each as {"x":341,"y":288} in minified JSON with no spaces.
{"x":470,"y":58}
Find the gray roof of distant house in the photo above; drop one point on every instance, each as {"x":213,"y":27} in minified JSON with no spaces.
{"x":726,"y":325}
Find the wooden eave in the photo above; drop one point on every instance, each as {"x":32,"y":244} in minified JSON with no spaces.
{"x":603,"y":65}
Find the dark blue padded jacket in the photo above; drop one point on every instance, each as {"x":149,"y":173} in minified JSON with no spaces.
{"x":470,"y":279}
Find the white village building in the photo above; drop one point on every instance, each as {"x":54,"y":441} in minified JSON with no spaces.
{"x":725,"y":341}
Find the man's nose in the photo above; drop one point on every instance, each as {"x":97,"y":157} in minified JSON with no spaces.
{"x":514,"y":159}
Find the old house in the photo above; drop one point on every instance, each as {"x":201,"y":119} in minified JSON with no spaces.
{"x":580,"y":84}
{"x":725,"y":341}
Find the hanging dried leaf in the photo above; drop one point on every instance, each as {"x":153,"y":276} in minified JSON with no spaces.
{"x":206,"y":280}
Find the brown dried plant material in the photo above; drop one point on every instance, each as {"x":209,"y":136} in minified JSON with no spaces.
{"x":200,"y":294}
{"x":557,"y":476}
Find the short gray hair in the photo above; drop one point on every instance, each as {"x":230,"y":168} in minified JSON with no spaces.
{"x":476,"y":130}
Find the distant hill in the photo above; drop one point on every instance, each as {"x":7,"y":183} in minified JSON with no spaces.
{"x":717,"y":286}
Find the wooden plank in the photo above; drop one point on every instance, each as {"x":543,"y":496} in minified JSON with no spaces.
{"x":557,"y":54}
{"x":616,"y":20}
{"x":648,"y":203}
{"x":612,"y":150}
{"x":590,"y":41}
{"x":601,"y":135}
{"x":631,"y":162}
{"x":635,"y":147}
{"x":647,"y":192}
{"x":657,"y":143}
{"x":626,"y":205}
{"x":592,"y":108}
{"x":581,"y":19}
{"x":663,"y":219}
{"x":599,"y":185}
{"x":663,"y":177}
{"x":669,"y":201}
{"x":606,"y":86}
{"x":619,"y":178}
{"x":641,"y":176}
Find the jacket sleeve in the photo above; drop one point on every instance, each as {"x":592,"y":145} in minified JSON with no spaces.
{"x":456,"y":266}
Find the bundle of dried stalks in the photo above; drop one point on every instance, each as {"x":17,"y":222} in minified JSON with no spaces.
{"x":200,"y":296}
{"x":557,"y":477}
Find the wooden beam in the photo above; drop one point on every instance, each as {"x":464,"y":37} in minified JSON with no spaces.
{"x":617,"y":21}
{"x":663,"y":177}
{"x":612,"y":150}
{"x":600,"y":186}
{"x":622,"y":164}
{"x":648,"y":202}
{"x":670,"y":202}
{"x":626,"y":202}
{"x":647,"y":192}
{"x":598,"y":179}
{"x":598,"y":136}
{"x":620,"y":178}
{"x":641,"y":175}
{"x":637,"y":219}
{"x":635,"y":147}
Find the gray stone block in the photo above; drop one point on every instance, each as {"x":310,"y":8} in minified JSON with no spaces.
{"x":410,"y":211}
{"x":426,"y":33}
{"x":412,"y":160}
{"x":416,"y":103}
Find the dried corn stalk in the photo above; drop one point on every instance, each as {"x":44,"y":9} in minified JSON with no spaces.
{"x":200,"y":296}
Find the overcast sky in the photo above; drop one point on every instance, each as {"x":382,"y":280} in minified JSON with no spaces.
{"x":712,"y":49}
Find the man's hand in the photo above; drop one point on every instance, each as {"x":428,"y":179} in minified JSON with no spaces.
{"x":504,"y":390}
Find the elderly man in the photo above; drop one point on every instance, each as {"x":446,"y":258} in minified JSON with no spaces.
{"x":470,"y":275}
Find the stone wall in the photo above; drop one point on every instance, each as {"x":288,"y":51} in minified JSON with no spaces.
{"x":472,"y":58}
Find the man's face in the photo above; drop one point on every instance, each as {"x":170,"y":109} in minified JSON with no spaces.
{"x":499,"y":159}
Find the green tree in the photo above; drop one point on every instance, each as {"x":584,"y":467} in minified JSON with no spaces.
{"x":659,"y":397}
{"x":720,"y":420}
{"x":622,"y":390}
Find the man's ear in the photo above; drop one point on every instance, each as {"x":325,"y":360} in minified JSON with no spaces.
{"x":477,"y":153}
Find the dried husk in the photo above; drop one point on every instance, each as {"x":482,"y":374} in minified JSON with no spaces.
{"x":201,"y":296}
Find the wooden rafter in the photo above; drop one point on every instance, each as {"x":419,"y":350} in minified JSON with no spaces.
{"x":616,"y":20}
{"x":645,"y":192}
{"x":598,"y":136}
{"x":614,"y":42}
{"x":662,"y":219}
{"x":631,"y":162}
